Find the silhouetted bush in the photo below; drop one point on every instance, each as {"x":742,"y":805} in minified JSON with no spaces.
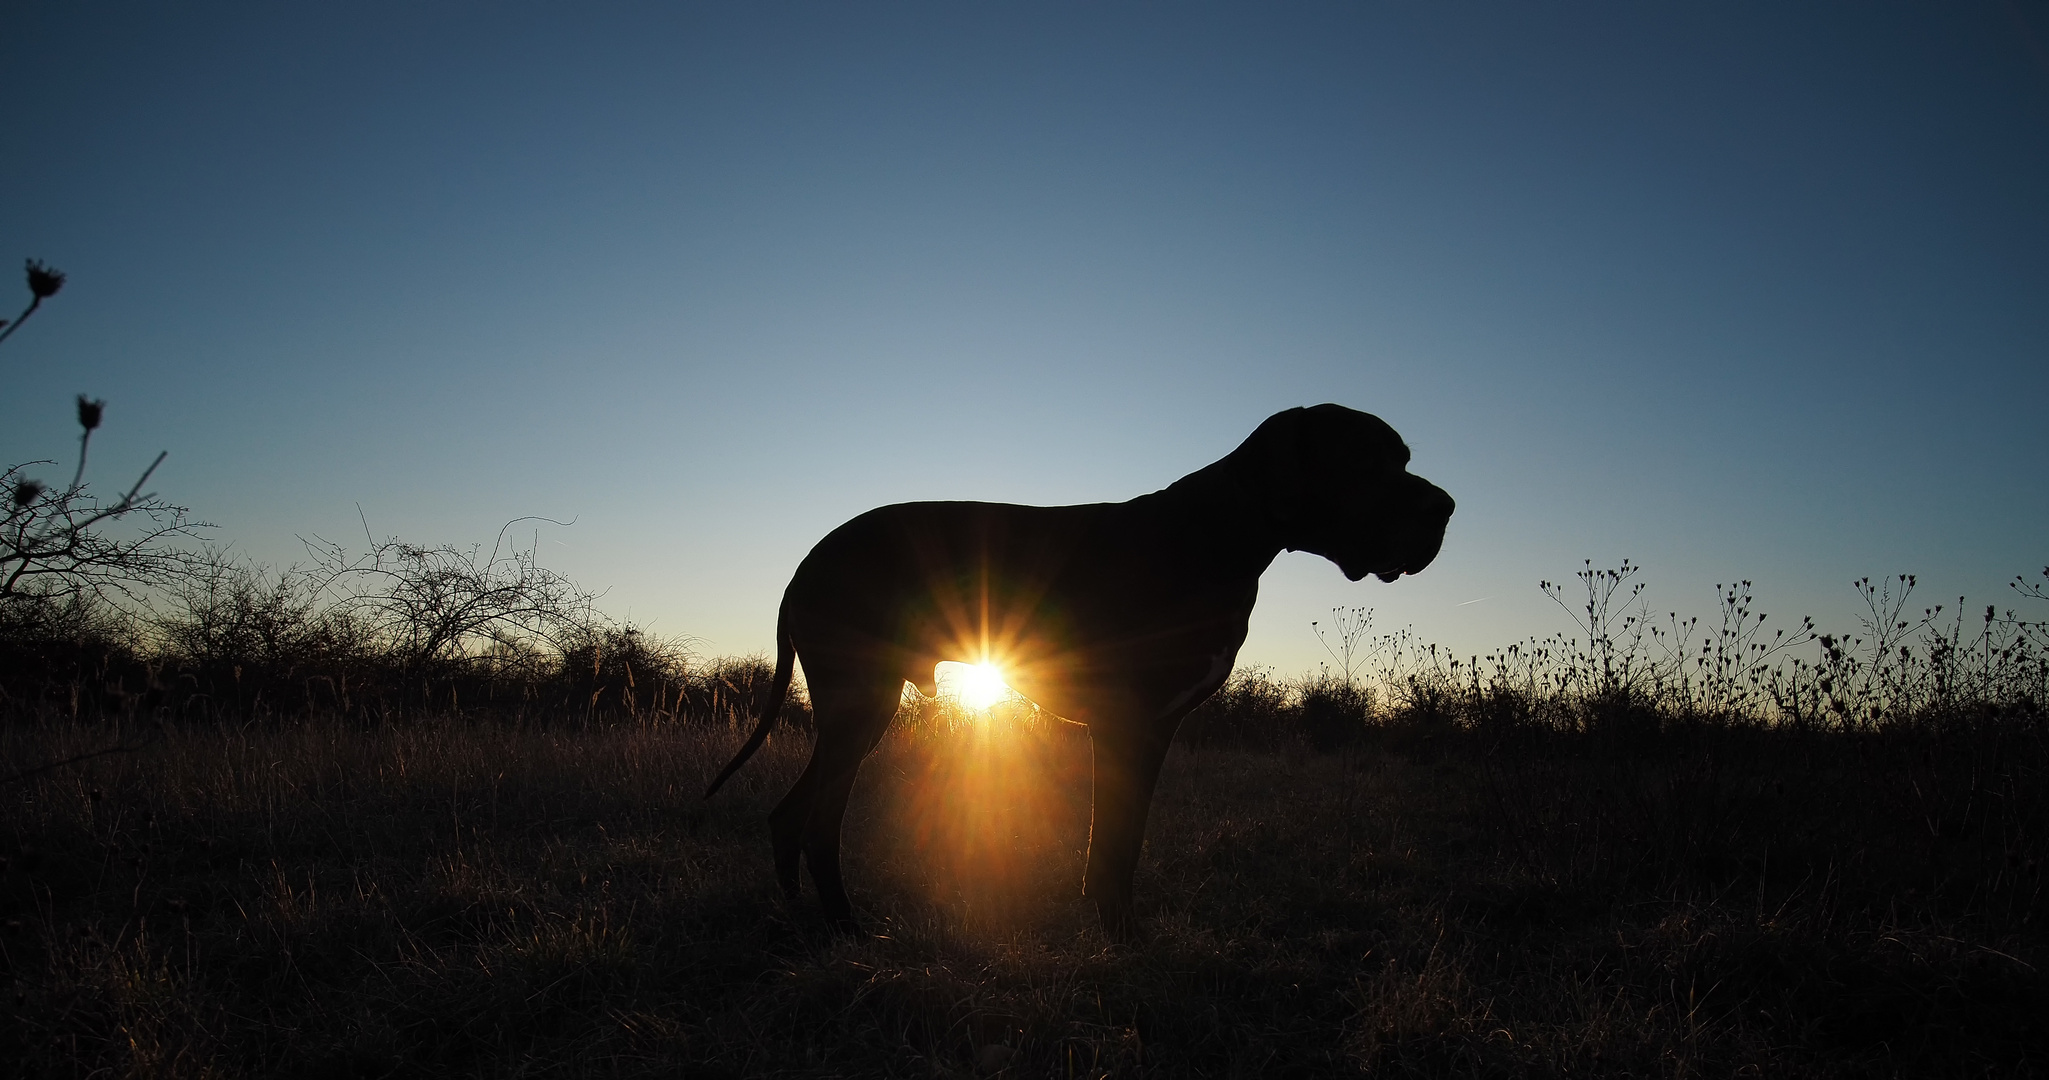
{"x":239,"y":642}
{"x":1251,"y":710}
{"x":1333,"y":712}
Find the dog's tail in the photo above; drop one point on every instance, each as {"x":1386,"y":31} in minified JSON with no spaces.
{"x":785,"y":663}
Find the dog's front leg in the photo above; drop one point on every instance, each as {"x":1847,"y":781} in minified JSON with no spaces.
{"x":1127,"y":764}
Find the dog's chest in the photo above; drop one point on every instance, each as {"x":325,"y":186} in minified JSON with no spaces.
{"x":1219,"y":669}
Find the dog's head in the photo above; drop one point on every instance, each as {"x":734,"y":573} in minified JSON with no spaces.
{"x":1337,"y":484}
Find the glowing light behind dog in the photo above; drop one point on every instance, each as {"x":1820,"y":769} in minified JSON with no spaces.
{"x":975,"y":686}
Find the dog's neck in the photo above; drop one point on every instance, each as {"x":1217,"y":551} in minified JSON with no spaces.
{"x":1219,"y":510}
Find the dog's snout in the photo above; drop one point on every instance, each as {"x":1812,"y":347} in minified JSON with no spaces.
{"x":1442,"y":503}
{"x":1431,"y":505}
{"x":1434,"y":507}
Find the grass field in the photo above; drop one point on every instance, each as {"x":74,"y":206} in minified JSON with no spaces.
{"x":329,"y":897}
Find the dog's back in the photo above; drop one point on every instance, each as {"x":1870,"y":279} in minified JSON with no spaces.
{"x":1062,"y":597}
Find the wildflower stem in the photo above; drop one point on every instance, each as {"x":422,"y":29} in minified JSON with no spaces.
{"x":33,"y":304}
{"x":78,"y":475}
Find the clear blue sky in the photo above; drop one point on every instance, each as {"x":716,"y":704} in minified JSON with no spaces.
{"x":1752,"y":291}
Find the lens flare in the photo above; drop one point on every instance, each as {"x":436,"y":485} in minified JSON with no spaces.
{"x":975,"y":686}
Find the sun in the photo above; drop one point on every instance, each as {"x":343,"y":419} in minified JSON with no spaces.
{"x":977,"y":686}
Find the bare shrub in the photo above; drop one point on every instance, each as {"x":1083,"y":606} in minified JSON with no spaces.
{"x":449,"y":606}
{"x":229,"y":611}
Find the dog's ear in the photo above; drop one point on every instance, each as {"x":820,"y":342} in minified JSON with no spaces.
{"x":1287,"y":457}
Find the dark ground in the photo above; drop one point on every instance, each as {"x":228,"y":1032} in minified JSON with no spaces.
{"x":329,"y":898}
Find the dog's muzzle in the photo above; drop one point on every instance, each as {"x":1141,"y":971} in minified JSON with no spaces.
{"x":1431,"y":515}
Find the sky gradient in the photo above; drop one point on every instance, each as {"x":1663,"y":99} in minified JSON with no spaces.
{"x":1735,"y":291}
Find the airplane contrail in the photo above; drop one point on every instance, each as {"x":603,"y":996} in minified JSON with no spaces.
{"x":1474,"y":601}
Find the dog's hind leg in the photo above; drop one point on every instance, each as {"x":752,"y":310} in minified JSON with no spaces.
{"x":1127,"y":764}
{"x":822,"y":853}
{"x":786,"y":827}
{"x":807,"y":822}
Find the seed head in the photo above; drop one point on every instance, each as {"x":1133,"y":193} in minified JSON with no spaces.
{"x":89,"y":411}
{"x":44,"y":281}
{"x":26,"y":492}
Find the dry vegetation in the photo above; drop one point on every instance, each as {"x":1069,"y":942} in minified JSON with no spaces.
{"x":1548,"y":868}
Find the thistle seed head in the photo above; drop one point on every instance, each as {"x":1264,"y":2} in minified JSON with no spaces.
{"x":26,"y":492}
{"x":44,"y":281}
{"x":89,"y":411}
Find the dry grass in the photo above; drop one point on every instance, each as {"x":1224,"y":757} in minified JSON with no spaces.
{"x":469,"y":899}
